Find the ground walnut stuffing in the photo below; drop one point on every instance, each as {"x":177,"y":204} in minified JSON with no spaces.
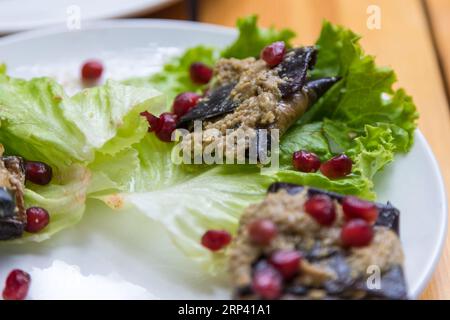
{"x":298,"y":230}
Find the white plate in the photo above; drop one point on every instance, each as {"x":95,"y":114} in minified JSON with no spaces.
{"x":141,"y":259}
{"x":18,"y":15}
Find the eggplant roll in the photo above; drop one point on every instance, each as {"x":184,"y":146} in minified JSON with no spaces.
{"x":328,"y":269}
{"x":249,"y":95}
{"x":12,"y":207}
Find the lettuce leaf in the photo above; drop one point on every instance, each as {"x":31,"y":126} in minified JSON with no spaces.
{"x":252,"y":39}
{"x":365,"y":94}
{"x":186,"y":201}
{"x":361,"y":116}
{"x":370,"y":153}
{"x":64,"y":200}
{"x":39,"y":121}
{"x":174,"y":77}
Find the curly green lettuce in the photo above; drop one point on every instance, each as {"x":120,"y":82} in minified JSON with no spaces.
{"x":361,"y":116}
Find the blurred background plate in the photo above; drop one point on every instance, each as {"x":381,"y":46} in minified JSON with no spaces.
{"x":18,"y":15}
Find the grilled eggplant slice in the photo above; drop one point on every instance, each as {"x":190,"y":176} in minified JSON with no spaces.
{"x":328,"y":269}
{"x":249,"y":95}
{"x":12,"y":207}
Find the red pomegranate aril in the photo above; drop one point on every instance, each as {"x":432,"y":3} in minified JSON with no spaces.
{"x":273,"y":54}
{"x":321,"y":208}
{"x":16,"y":285}
{"x":37,"y":219}
{"x":305,"y":161}
{"x":168,"y":123}
{"x":354,"y":207}
{"x":287,"y":262}
{"x":215,"y":240}
{"x":200,"y":73}
{"x":356,"y":233}
{"x":267,"y":283}
{"x":38,"y":172}
{"x":184,"y":102}
{"x":91,"y":70}
{"x":337,"y":167}
{"x":261,"y":232}
{"x":153,"y":121}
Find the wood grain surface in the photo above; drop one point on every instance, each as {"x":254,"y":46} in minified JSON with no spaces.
{"x":439,"y":14}
{"x":404,"y":42}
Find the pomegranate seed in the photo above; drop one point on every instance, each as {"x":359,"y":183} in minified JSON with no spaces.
{"x":287,"y":262}
{"x":168,"y":123}
{"x":153,"y":121}
{"x":16,"y":285}
{"x":215,"y":240}
{"x":200,"y":73}
{"x":273,"y":54}
{"x":356,"y":233}
{"x":337,"y":167}
{"x":37,"y":219}
{"x":357,"y":208}
{"x":184,"y":102}
{"x":321,"y":208}
{"x":262,"y":231}
{"x":305,"y":161}
{"x":38,"y":172}
{"x":91,"y":70}
{"x":267,"y":282}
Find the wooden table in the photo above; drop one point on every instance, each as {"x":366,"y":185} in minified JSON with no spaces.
{"x":412,"y":39}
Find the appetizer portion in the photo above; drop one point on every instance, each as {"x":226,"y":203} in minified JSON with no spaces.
{"x":12,"y":208}
{"x":253,"y":94}
{"x":305,"y":243}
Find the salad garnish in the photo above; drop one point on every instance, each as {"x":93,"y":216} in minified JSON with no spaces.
{"x":110,"y":142}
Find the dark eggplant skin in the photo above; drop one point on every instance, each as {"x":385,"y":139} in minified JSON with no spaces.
{"x":216,"y":103}
{"x":388,"y":216}
{"x":7,"y":203}
{"x":392,"y":282}
{"x":11,"y":228}
{"x":12,"y":207}
{"x":293,"y":70}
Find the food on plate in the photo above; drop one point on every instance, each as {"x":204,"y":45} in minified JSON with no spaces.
{"x":251,"y":94}
{"x":14,"y":217}
{"x":91,"y":71}
{"x":340,"y":117}
{"x":326,"y":246}
{"x":12,"y":207}
{"x":17,"y":285}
